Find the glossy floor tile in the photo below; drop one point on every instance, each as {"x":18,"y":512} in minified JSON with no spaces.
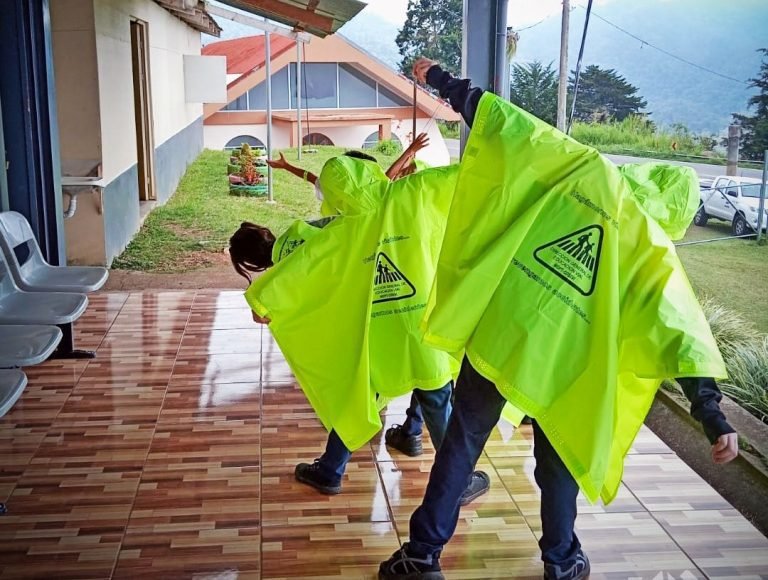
{"x":172,"y":453}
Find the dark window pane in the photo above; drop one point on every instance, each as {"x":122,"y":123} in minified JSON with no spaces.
{"x":318,"y":85}
{"x":239,"y":104}
{"x":355,"y":88}
{"x":316,"y":139}
{"x":389,"y":99}
{"x":257,"y":96}
{"x":237,"y":142}
{"x":372,"y":139}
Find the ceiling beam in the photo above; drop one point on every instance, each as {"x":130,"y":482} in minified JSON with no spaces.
{"x":258,"y":24}
{"x":285,"y":10}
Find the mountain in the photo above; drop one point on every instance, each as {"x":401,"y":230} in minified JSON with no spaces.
{"x":721,"y":36}
{"x":716,"y":34}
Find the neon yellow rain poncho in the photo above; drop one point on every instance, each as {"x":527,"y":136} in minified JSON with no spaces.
{"x":346,"y":305}
{"x":563,"y":290}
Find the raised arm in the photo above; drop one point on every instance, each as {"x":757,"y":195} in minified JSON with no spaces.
{"x":297,"y":171}
{"x":463,"y":97}
{"x":401,"y":163}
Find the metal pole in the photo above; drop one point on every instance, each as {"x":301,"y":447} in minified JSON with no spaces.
{"x":500,"y":74}
{"x":268,"y":63}
{"x":578,"y":66}
{"x":562,"y":87}
{"x":298,"y":98}
{"x":761,"y":205}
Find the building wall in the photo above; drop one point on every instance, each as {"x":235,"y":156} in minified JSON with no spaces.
{"x":217,"y":136}
{"x":169,"y":41}
{"x":94,"y":71}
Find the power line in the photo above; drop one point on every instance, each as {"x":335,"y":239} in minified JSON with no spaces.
{"x":663,"y":51}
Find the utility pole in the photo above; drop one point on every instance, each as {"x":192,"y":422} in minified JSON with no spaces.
{"x":562,"y":87}
{"x":734,"y":133}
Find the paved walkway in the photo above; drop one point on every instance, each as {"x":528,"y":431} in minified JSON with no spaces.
{"x":171,"y":455}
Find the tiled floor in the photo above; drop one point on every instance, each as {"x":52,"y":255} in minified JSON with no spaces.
{"x":171,"y":455}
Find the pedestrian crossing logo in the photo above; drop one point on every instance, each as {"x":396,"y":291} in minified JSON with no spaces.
{"x":575,"y":258}
{"x":389,"y":282}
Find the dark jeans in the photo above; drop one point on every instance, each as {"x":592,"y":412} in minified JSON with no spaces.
{"x":436,"y":408}
{"x":414,"y":420}
{"x":477,"y":408}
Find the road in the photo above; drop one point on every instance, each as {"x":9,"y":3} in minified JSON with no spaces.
{"x":704,"y":170}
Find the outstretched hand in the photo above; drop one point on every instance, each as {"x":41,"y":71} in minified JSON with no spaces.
{"x":421,"y":141}
{"x":278,"y":163}
{"x":261,"y":319}
{"x":421,"y":67}
{"x":726,"y":448}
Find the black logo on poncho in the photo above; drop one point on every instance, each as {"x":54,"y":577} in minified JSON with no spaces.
{"x":575,"y":258}
{"x":389,"y":282}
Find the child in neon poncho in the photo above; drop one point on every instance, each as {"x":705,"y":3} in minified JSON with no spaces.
{"x":500,"y":291}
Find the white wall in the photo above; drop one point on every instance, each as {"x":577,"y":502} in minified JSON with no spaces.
{"x":169,"y":39}
{"x":217,"y":136}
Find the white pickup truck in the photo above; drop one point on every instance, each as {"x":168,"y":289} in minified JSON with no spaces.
{"x":735,"y":200}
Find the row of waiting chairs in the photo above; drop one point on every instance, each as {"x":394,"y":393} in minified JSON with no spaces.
{"x":38,"y":305}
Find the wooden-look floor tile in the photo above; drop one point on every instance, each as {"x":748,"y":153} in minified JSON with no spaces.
{"x":56,"y":372}
{"x":631,"y":545}
{"x":127,"y":370}
{"x":721,"y":542}
{"x":195,"y":400}
{"x":172,"y":455}
{"x":218,"y":368}
{"x":664,"y":482}
{"x":648,"y":442}
{"x":499,"y":444}
{"x":89,"y":403}
{"x":327,"y":550}
{"x":234,"y":341}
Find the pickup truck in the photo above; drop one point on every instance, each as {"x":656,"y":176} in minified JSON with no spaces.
{"x":733,"y":199}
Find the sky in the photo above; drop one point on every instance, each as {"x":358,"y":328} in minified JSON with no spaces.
{"x":521,"y":13}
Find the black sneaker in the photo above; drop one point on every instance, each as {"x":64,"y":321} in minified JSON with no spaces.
{"x":573,"y":570}
{"x":310,"y":475}
{"x":402,"y":566}
{"x":408,"y":444}
{"x":478,"y":485}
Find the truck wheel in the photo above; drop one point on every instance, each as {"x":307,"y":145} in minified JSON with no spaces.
{"x":739,"y":227}
{"x":701,"y":217}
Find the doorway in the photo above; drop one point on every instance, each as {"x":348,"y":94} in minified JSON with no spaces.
{"x":142,"y":98}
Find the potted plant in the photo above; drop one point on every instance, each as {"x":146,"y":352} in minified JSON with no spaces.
{"x":250,"y":179}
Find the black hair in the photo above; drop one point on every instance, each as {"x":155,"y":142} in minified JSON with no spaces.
{"x":360,"y":155}
{"x":250,"y":249}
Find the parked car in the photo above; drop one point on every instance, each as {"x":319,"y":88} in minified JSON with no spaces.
{"x":733,"y":199}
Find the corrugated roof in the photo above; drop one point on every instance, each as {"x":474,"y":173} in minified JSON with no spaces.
{"x":246,"y":54}
{"x":319,"y":17}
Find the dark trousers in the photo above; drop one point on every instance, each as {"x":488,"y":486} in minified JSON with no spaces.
{"x":436,"y":408}
{"x":477,"y":408}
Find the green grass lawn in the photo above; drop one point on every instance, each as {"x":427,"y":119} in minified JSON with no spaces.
{"x":193,"y":228}
{"x":732,"y":272}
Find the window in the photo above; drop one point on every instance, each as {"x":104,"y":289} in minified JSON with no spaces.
{"x":355,"y":89}
{"x":239,"y":104}
{"x":318,"y":85}
{"x":237,"y":142}
{"x":372,"y":139}
{"x":389,"y":99}
{"x":316,"y":139}
{"x":257,"y":96}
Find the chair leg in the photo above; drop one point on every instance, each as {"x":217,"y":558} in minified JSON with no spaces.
{"x":67,"y":348}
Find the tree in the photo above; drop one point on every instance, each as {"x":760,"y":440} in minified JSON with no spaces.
{"x":534,"y":88}
{"x":603,"y":95}
{"x":754,"y":129}
{"x":432,"y":29}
